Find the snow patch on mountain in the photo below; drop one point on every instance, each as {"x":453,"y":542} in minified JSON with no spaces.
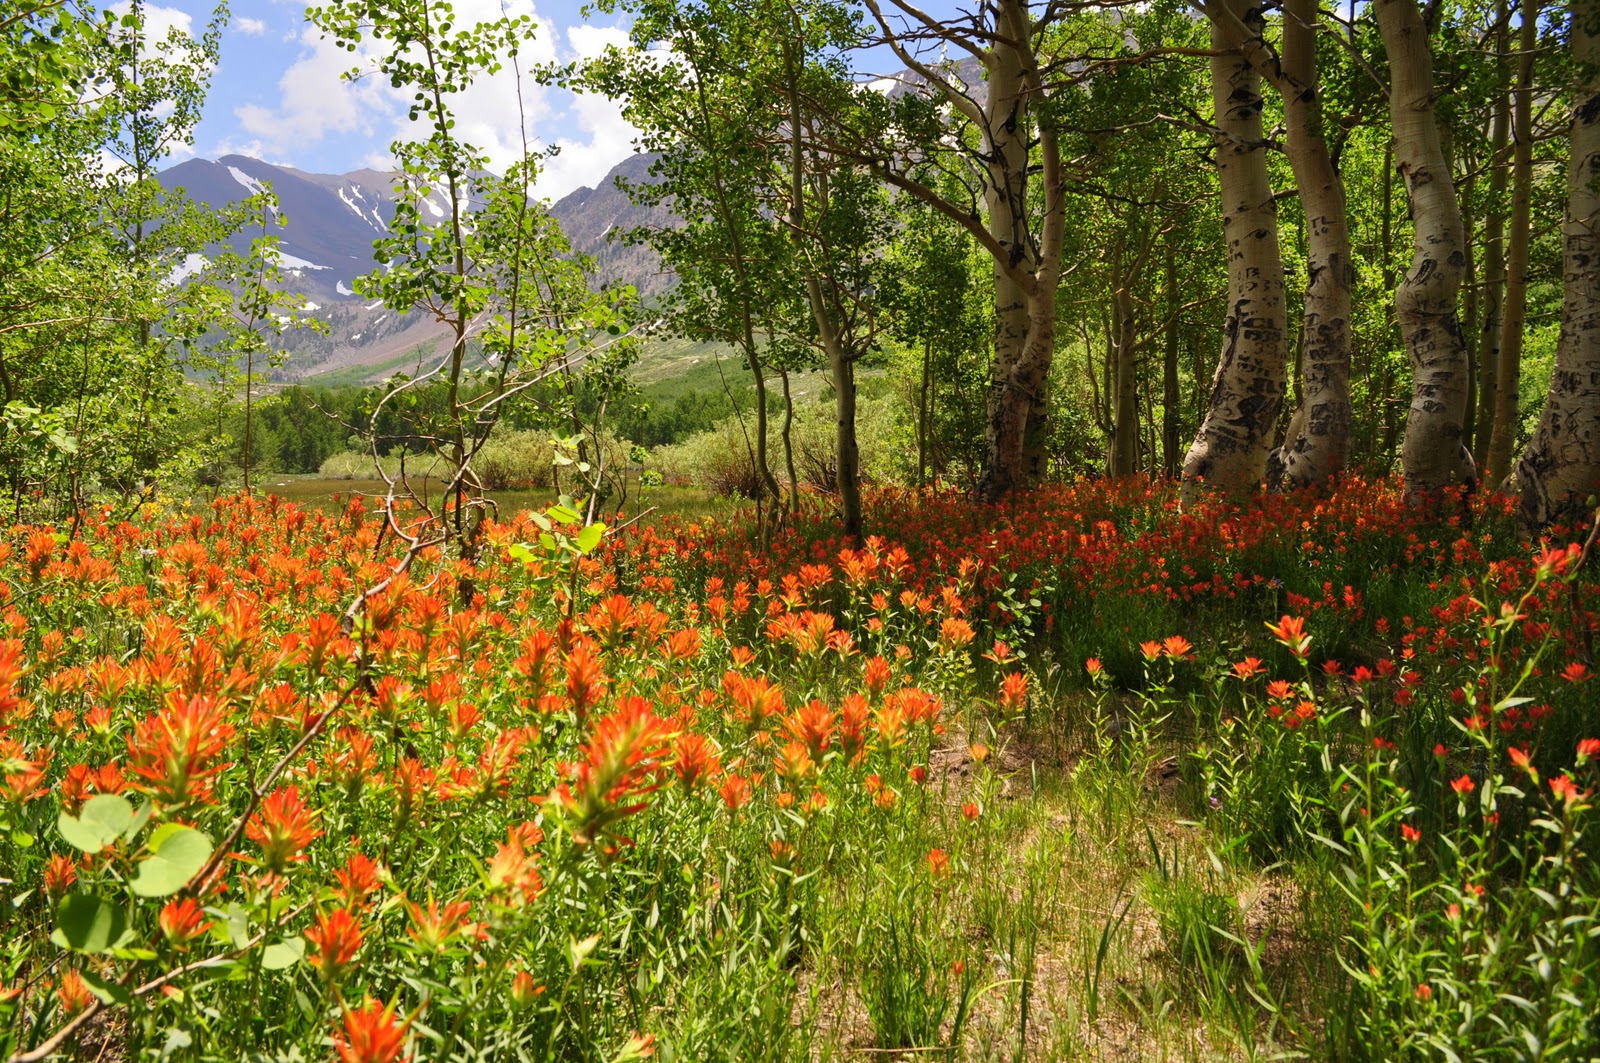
{"x":191,"y":264}
{"x":256,"y":188}
{"x":358,"y":205}
{"x":293,"y":262}
{"x":342,"y":290}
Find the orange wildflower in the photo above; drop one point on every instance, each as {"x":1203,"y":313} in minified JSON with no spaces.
{"x":694,"y":759}
{"x":371,"y":1034}
{"x":735,"y":791}
{"x":183,"y":921}
{"x":1291,"y":631}
{"x":335,"y":938}
{"x":1014,"y":692}
{"x":1248,"y":668}
{"x":622,"y":761}
{"x":175,"y":754}
{"x":283,"y":826}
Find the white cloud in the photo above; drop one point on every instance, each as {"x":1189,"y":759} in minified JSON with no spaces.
{"x":159,"y":24}
{"x":158,"y":21}
{"x":250,"y":27}
{"x":589,"y":41}
{"x":314,"y":103}
{"x":607,"y":139}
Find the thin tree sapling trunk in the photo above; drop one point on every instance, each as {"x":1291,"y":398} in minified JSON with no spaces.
{"x":1125,"y":417}
{"x":1494,"y":245}
{"x":1508,"y":375}
{"x":1169,"y":372}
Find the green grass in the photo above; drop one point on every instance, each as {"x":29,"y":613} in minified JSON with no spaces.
{"x":672,"y":366}
{"x":362,"y":375}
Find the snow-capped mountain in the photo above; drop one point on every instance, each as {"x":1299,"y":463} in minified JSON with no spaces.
{"x":326,"y":225}
{"x":327,"y":222}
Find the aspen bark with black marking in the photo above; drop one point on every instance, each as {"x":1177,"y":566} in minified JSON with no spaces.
{"x":1022,"y":224}
{"x":1314,"y":446}
{"x":1560,"y":470}
{"x":1229,"y":453}
{"x":1433,"y":454}
{"x":1025,"y":313}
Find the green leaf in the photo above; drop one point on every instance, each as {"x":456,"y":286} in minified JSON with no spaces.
{"x":101,"y":820}
{"x":564,"y":514}
{"x":285,"y":953}
{"x":238,"y":926}
{"x":590,"y":537}
{"x":140,"y":818}
{"x":177,"y":1038}
{"x":109,"y":992}
{"x":86,"y":923}
{"x":176,"y":854}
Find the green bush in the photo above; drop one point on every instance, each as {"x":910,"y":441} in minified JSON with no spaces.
{"x":721,"y":460}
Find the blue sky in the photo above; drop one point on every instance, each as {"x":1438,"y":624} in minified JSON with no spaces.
{"x":277,"y":95}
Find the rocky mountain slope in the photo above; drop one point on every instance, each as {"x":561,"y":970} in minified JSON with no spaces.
{"x":326,"y":226}
{"x":327,"y":223}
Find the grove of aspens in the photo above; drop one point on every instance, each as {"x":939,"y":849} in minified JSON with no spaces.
{"x":1123,"y":592}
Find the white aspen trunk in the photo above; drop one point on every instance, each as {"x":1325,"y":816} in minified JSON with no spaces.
{"x":1433,"y":455}
{"x":1508,"y":373}
{"x":1230,"y":451}
{"x":1026,"y":249}
{"x":1314,"y":447}
{"x":1025,"y":313}
{"x":1560,"y":470}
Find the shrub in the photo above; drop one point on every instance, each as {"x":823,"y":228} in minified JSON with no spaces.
{"x":721,"y":460}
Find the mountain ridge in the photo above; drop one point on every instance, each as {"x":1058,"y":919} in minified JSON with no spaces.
{"x":326,"y":225}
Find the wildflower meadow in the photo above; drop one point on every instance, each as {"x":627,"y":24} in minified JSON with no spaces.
{"x":1075,"y":776}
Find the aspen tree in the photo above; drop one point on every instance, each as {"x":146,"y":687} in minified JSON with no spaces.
{"x":1560,"y":469}
{"x":1434,"y":456}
